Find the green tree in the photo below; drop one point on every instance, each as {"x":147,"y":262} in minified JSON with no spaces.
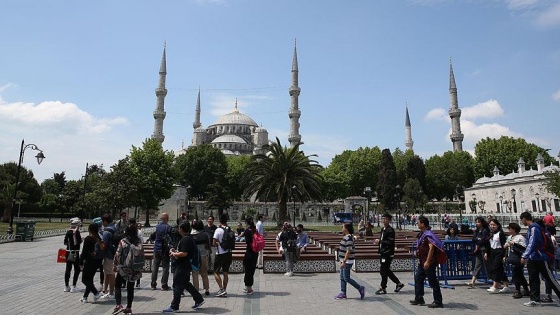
{"x":235,"y":168}
{"x":416,"y":169}
{"x":153,"y":169}
{"x":552,"y":183}
{"x":444,"y":173}
{"x":28,"y":190}
{"x":505,"y":153}
{"x":281,"y":173}
{"x":412,"y":194}
{"x":387,"y":180}
{"x":401,"y":160}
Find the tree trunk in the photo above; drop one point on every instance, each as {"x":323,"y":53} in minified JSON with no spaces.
{"x":147,"y":223}
{"x":282,"y":212}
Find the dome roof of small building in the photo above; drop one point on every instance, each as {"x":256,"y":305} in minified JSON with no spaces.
{"x":229,"y":139}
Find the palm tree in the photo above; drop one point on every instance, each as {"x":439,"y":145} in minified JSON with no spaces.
{"x":282,"y":173}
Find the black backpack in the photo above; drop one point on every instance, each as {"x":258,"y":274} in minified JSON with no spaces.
{"x":116,"y":237}
{"x":228,"y":239}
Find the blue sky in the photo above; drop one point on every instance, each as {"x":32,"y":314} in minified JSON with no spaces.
{"x":77,"y":78}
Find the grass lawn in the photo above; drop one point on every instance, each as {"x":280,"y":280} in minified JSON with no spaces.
{"x":39,"y":226}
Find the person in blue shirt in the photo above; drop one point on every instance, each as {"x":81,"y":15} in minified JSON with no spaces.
{"x":302,"y":239}
{"x":161,"y":238}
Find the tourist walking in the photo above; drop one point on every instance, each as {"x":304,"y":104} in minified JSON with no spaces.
{"x":250,"y":259}
{"x":72,"y":240}
{"x":386,"y":252}
{"x":201,"y":240}
{"x":429,"y":251}
{"x":536,"y":260}
{"x":480,"y":239}
{"x":210,"y":229}
{"x":515,"y":246}
{"x":223,"y":239}
{"x":124,"y":274}
{"x":286,"y":246}
{"x":181,"y":277}
{"x":162,"y":238}
{"x":90,"y":260}
{"x":260,"y":229}
{"x":495,"y":257}
{"x":346,"y":257}
{"x":108,"y":266}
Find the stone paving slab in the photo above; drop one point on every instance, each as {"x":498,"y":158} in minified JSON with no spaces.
{"x":33,"y":283}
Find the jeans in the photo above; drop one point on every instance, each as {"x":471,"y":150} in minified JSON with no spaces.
{"x":164,"y":259}
{"x":180,"y":283}
{"x":345,"y":278}
{"x":289,"y":257}
{"x":419,"y":278}
{"x":69,"y":265}
{"x":538,"y":268}
{"x":386,"y":272}
{"x":129,"y":291}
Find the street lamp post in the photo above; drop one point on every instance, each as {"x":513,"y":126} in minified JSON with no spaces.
{"x":397,"y":205}
{"x":294,"y":200}
{"x":461,"y":198}
{"x":40,"y":156}
{"x":367,"y":191}
{"x":376,"y":207}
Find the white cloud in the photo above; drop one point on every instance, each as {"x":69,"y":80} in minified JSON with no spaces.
{"x":556,"y":95}
{"x":520,"y":4}
{"x":437,"y":114}
{"x":488,"y":109}
{"x":5,"y":87}
{"x":69,"y":136}
{"x":550,"y":17}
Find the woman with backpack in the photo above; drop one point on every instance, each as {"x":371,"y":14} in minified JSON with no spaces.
{"x":90,"y":260}
{"x":202,"y":241}
{"x":72,"y":240}
{"x":123,"y":271}
{"x":250,"y":259}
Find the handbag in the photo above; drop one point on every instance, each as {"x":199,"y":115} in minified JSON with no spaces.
{"x":514,"y":257}
{"x":72,"y":255}
{"x":61,"y":258}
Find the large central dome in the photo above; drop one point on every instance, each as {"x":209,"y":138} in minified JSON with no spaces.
{"x":235,"y":118}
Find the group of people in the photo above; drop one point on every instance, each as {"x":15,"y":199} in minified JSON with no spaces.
{"x":493,"y":249}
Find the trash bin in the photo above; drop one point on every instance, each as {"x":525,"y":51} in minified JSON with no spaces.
{"x":25,"y":230}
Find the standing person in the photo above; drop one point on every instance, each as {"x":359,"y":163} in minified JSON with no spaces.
{"x":517,"y":241}
{"x":548,"y":219}
{"x":182,"y":218}
{"x":361,"y":228}
{"x":201,"y":240}
{"x":72,"y":240}
{"x":108,"y":232}
{"x":495,"y":257}
{"x":387,"y":252}
{"x":286,"y":246}
{"x":260,"y":229}
{"x":141,"y":237}
{"x":90,"y":260}
{"x":210,"y":228}
{"x":549,"y":232}
{"x":250,"y":259}
{"x":428,"y":248}
{"x":302,"y":240}
{"x":223,"y":256}
{"x":346,"y":256}
{"x":124,"y":276}
{"x":536,"y":259}
{"x":162,"y":238}
{"x":481,"y":246}
{"x":181,"y":276}
{"x":122,"y":223}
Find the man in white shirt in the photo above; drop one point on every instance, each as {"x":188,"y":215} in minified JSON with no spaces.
{"x":223,"y":257}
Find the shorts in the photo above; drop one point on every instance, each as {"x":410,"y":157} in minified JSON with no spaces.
{"x":222,"y":262}
{"x":108,"y":266}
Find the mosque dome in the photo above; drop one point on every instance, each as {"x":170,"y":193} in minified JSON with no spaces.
{"x":235,"y":118}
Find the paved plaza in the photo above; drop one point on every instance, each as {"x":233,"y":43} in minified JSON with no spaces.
{"x":33,"y":283}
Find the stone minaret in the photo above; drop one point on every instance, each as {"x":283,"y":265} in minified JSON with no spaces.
{"x":295,"y":113}
{"x":455,"y":113}
{"x":199,"y":133}
{"x":408,"y":141}
{"x":196,"y":122}
{"x":161,"y":92}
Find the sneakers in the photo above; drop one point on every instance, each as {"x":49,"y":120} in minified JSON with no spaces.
{"x":289,"y":274}
{"x":248,"y":291}
{"x":532,"y":303}
{"x":67,"y":289}
{"x":165,"y":288}
{"x":221,"y":293}
{"x":517,"y":295}
{"x":169,"y":310}
{"x":197,"y":305}
{"x":73,"y":289}
{"x":469,"y":285}
{"x":117,"y":309}
{"x":340,"y":296}
{"x":127,"y":311}
{"x":108,"y":296}
{"x":417,"y":302}
{"x":362,"y":291}
{"x":399,"y":287}
{"x":83,"y":299}
{"x":153,"y":287}
{"x":381,"y":291}
{"x":96,"y":297}
{"x":435,"y":305}
{"x":505,"y":290}
{"x":493,"y":290}
{"x":547,"y":299}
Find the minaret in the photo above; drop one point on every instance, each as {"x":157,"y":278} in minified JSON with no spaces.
{"x":295,"y":113}
{"x":408,"y":141}
{"x":161,"y":92}
{"x":197,"y":123}
{"x":454,"y":113}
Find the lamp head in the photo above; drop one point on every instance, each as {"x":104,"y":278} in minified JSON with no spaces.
{"x":40,"y":156}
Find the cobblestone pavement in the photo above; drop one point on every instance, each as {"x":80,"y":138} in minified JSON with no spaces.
{"x":33,"y":283}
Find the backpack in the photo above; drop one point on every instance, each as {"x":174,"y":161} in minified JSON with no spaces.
{"x":258,"y":242}
{"x":547,"y":246}
{"x":116,"y":237}
{"x":98,"y":250}
{"x":228,"y":239}
{"x":131,"y":261}
{"x":195,"y":260}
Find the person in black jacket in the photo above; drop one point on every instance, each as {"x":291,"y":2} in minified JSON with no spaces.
{"x":387,"y":251}
{"x":72,"y":240}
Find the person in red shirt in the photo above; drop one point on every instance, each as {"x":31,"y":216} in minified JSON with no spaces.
{"x":548,"y":219}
